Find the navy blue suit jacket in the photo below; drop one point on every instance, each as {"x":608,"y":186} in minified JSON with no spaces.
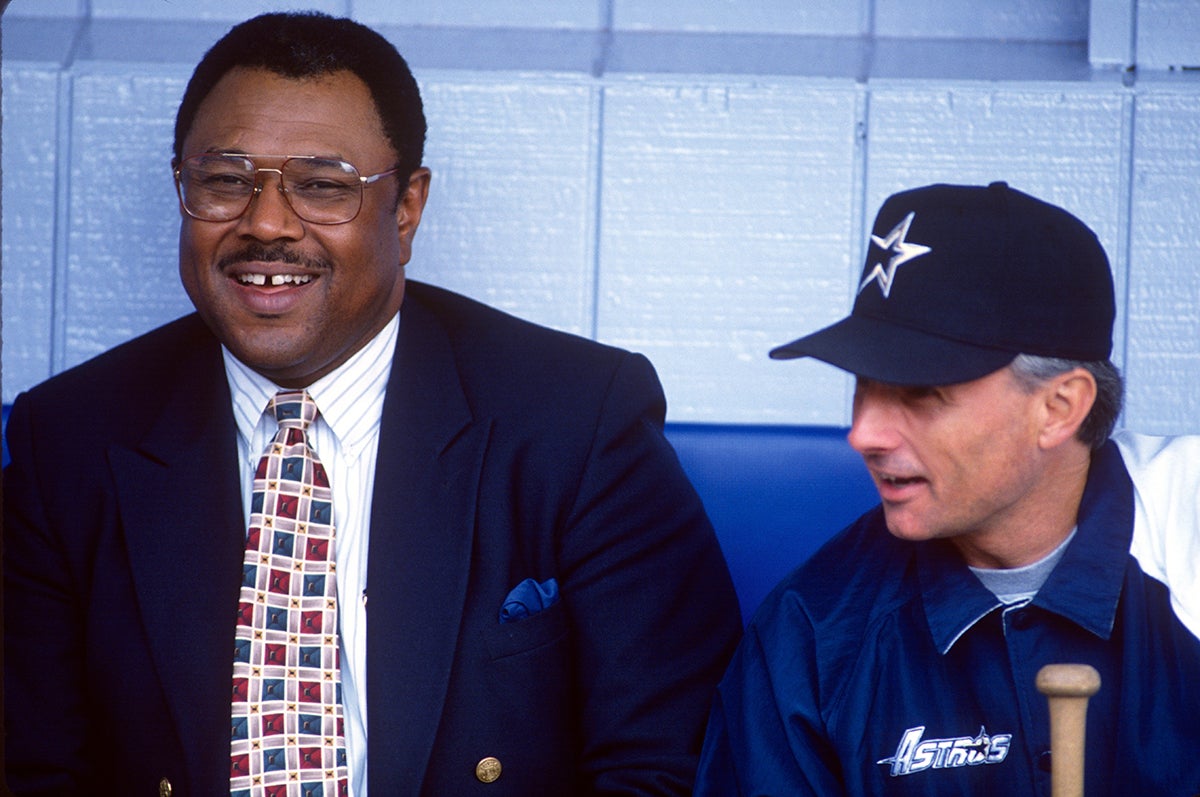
{"x":507,"y":452}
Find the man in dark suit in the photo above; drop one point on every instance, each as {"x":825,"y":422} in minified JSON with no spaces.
{"x":529,"y":597}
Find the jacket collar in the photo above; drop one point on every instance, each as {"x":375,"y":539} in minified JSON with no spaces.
{"x":183,"y":472}
{"x":422,"y":531}
{"x":1085,"y":585}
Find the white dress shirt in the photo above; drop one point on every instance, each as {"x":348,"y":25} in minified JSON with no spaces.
{"x":346,"y":439}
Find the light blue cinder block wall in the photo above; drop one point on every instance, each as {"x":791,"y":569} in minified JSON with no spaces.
{"x":693,"y":180}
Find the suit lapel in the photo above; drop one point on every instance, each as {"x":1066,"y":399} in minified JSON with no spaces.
{"x":422,"y":528}
{"x":186,"y":548}
{"x":180,"y":506}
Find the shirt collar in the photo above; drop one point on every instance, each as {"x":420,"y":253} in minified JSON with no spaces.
{"x":350,"y":397}
{"x":1085,"y":586}
{"x":953,"y":597}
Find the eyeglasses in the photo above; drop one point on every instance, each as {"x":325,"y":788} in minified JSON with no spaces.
{"x":220,"y":187}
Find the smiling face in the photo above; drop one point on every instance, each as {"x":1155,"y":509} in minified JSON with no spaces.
{"x":292,"y":299}
{"x":961,"y":461}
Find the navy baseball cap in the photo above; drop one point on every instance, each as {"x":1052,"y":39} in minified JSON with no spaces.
{"x":959,"y":280}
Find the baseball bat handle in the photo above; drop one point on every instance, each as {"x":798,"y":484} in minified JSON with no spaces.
{"x":1067,"y":688}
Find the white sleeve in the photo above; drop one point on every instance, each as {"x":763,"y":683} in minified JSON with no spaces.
{"x":1166,"y":527}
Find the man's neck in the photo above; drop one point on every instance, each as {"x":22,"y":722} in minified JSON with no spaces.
{"x":1045,"y":517}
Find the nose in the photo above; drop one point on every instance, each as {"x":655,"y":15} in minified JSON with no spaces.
{"x":873,"y":427}
{"x":270,"y":216}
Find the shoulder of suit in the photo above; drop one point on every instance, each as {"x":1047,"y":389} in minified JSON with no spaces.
{"x":120,"y":373}
{"x":477,"y":324}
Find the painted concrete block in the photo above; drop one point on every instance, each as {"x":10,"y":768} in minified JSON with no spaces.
{"x":757,"y":54}
{"x":1164,"y":275}
{"x":197,"y":10}
{"x":510,"y":219}
{"x":1060,"y":142}
{"x":725,"y":223}
{"x":1168,"y":34}
{"x":498,"y":49}
{"x":1110,"y":33}
{"x":121,"y":266}
{"x":30,"y":167}
{"x":554,"y":14}
{"x":1017,"y":20}
{"x":821,"y":18}
{"x":38,"y":40}
{"x":174,"y":44}
{"x":947,"y":59}
{"x":45,"y":8}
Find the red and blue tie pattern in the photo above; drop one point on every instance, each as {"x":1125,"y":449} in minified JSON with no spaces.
{"x":288,"y":738}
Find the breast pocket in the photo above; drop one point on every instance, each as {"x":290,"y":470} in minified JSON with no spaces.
{"x":547,"y":627}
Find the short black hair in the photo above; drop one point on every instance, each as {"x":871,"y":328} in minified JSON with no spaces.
{"x":311,"y":44}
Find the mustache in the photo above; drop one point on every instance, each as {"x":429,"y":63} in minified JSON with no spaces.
{"x":273,"y":253}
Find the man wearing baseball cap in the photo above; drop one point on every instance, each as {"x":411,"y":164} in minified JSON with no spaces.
{"x":1012,"y":533}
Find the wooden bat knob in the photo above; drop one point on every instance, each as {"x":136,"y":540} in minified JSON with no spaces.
{"x":1068,"y":680}
{"x":1067,"y":688}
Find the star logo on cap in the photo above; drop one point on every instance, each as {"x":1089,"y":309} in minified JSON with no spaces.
{"x":902,"y":252}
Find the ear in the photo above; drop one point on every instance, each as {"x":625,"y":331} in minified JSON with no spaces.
{"x":1066,"y":401}
{"x":409,"y":210}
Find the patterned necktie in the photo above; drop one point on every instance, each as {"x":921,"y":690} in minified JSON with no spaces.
{"x":288,"y":738}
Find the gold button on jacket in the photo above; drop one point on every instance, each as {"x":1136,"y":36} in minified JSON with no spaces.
{"x":488,"y":770}
{"x":164,"y":788}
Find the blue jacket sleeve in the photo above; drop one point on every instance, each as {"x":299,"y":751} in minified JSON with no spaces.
{"x":765,"y":731}
{"x":651,"y":598}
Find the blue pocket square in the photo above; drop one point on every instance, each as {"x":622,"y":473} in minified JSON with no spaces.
{"x":528,"y":598}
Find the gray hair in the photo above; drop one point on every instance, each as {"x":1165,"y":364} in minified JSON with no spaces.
{"x":1032,"y":371}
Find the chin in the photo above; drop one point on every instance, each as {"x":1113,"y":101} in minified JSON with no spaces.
{"x":907,"y":529}
{"x":271,"y":362}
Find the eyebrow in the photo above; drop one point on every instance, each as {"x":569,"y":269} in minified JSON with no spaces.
{"x":266,"y":156}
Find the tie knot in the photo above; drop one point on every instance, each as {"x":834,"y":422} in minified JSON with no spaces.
{"x":293,"y":409}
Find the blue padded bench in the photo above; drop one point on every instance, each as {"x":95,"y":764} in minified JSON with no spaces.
{"x":774,"y":493}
